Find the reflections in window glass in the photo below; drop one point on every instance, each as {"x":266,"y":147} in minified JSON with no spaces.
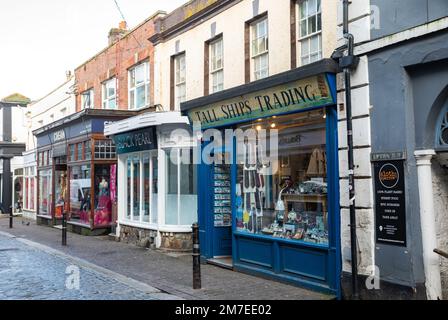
{"x":290,"y":203}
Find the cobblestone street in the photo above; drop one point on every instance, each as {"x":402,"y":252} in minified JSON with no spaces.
{"x":30,"y":273}
{"x":116,"y":270}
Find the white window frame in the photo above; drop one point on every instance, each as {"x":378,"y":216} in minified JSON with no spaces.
{"x":133,"y":89}
{"x":106,"y":100}
{"x":129,"y":217}
{"x":216,"y":73}
{"x":257,"y":57}
{"x":180,"y":85}
{"x":83,"y":99}
{"x":307,"y":37}
{"x":28,"y":176}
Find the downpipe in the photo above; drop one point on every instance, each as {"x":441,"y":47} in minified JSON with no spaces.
{"x":348,"y":63}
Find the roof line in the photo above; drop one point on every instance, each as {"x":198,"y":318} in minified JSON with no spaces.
{"x":125,"y":36}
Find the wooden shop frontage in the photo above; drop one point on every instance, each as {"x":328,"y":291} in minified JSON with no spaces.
{"x":77,"y":172}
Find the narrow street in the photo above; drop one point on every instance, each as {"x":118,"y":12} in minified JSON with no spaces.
{"x":28,"y":272}
{"x":33,"y":265}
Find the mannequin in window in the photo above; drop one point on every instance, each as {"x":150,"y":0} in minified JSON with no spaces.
{"x":103,"y":187}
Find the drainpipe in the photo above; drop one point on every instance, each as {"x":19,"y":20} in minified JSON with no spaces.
{"x":431,"y":260}
{"x":348,"y":63}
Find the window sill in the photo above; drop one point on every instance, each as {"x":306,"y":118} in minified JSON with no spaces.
{"x":309,"y":36}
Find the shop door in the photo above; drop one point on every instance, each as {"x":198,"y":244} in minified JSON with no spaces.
{"x":221,"y":204}
{"x":60,"y":189}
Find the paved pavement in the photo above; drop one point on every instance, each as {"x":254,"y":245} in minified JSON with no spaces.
{"x":169,"y":273}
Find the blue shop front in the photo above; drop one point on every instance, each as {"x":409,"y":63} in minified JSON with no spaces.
{"x":268,"y":196}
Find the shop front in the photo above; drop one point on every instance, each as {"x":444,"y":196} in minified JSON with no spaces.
{"x":76,"y":172}
{"x":157,"y":192}
{"x":269,"y":195}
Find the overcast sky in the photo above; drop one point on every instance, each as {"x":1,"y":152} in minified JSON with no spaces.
{"x":41,"y":39}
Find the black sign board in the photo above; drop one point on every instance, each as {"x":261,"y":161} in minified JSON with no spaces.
{"x":137,"y":140}
{"x":390,"y":202}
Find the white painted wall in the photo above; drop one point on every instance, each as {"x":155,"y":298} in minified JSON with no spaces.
{"x":359,"y":26}
{"x":231,"y":23}
{"x":58,"y":103}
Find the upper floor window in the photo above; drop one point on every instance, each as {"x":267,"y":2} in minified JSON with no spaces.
{"x":217,"y":65}
{"x":180,"y":79}
{"x":139,"y":86}
{"x":110,"y":94}
{"x":260,"y":49}
{"x":87,"y":99}
{"x":310,"y":25}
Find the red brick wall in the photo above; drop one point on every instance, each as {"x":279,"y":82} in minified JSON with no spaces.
{"x":115,"y":61}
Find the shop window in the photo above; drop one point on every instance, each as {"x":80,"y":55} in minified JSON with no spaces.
{"x":60,"y":191}
{"x":260,"y":49}
{"x":142,"y":187}
{"x":286,"y":198}
{"x":109,"y":96}
{"x":80,"y":204}
{"x":104,"y":149}
{"x":87,"y":99}
{"x":45,"y":192}
{"x":180,"y":79}
{"x":310,"y":24}
{"x":217,"y":65}
{"x":181,"y":189}
{"x":139,"y":86}
{"x":103,"y":202}
{"x":135,"y":187}
{"x":128,"y":187}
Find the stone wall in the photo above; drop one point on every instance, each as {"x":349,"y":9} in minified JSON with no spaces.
{"x":141,"y":237}
{"x":176,"y":241}
{"x":440,"y":189}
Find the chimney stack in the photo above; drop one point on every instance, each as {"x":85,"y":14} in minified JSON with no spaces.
{"x":116,"y":34}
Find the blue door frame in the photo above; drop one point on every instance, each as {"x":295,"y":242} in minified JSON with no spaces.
{"x":308,"y":265}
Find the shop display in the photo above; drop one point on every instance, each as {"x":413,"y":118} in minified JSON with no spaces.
{"x":289,"y":201}
{"x":222,"y":203}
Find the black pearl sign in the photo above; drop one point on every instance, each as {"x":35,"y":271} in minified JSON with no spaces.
{"x":390,"y":202}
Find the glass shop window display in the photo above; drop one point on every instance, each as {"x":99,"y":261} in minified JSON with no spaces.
{"x":103,"y":202}
{"x":80,"y":204}
{"x":284,"y":195}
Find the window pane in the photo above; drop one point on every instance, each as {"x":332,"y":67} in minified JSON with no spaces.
{"x":146,"y":184}
{"x":154,"y":201}
{"x":188,"y":188}
{"x":312,"y":7}
{"x":136,"y":188}
{"x":319,"y":22}
{"x":141,"y":97}
{"x":103,"y":202}
{"x":80,"y":204}
{"x":45,"y":192}
{"x":140,"y":74}
{"x":171,"y":188}
{"x":129,"y":187}
{"x":132,"y":78}
{"x":314,"y":44}
{"x":132,"y":99}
